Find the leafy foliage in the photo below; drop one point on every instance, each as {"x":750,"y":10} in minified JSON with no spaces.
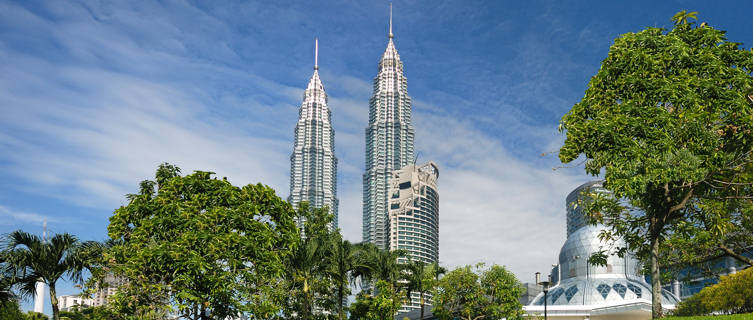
{"x":343,"y":261}
{"x":195,"y":244}
{"x":667,"y":122}
{"x":28,"y":259}
{"x":383,"y":305}
{"x":308,"y":280}
{"x":10,"y":310}
{"x":733,"y":294}
{"x":465,"y":293}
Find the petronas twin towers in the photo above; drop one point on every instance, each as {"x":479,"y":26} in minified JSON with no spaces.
{"x":389,"y":143}
{"x":313,"y":165}
{"x":389,"y":148}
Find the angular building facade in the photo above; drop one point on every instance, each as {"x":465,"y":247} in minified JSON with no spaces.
{"x":313,"y":165}
{"x":389,"y":142}
{"x":414,"y":218}
{"x":414,"y":212}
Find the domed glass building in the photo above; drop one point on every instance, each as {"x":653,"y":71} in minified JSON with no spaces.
{"x":581,"y":290}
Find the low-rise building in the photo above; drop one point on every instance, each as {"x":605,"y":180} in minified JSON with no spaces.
{"x":70,"y":302}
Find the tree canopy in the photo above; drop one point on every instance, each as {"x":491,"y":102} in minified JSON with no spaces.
{"x":197,"y":245}
{"x":668,"y":123}
{"x":475,"y":293}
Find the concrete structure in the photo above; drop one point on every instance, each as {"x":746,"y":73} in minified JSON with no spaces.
{"x":313,"y":165}
{"x":39,"y":297}
{"x":110,"y":286}
{"x":69,"y":302}
{"x":389,"y":142}
{"x":414,"y":218}
{"x":530,"y":292}
{"x":581,"y":290}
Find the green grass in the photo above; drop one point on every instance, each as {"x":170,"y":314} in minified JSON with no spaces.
{"x":746,"y":316}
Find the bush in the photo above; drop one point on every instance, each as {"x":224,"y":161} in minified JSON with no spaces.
{"x":733,"y":294}
{"x":692,"y":306}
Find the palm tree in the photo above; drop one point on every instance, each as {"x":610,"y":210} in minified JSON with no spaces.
{"x":382,"y":265}
{"x":6,"y":295}
{"x":415,"y":272}
{"x":683,"y":16}
{"x":343,"y":261}
{"x":305,"y":268}
{"x":434,"y":272}
{"x":29,"y":259}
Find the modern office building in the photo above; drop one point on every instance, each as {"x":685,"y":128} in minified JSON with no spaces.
{"x":389,"y":142}
{"x":690,"y":280}
{"x":414,"y":218}
{"x":580,"y":290}
{"x":313,"y":165}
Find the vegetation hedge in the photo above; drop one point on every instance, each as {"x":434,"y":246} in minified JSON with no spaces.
{"x":732,"y":295}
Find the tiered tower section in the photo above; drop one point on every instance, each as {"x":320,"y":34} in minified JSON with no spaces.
{"x":389,"y":142}
{"x":313,"y":165}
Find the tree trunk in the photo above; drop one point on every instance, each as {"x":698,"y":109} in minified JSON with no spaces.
{"x":54,"y":301}
{"x":422,"y":305}
{"x":656,"y":309}
{"x":340,"y":293}
{"x":203,"y":315}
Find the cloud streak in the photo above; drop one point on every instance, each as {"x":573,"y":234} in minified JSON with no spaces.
{"x":103,"y":94}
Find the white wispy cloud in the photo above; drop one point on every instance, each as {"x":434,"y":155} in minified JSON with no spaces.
{"x":136,"y":89}
{"x":12,"y":217}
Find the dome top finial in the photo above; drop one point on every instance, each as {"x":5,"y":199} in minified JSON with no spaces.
{"x":391,"y":35}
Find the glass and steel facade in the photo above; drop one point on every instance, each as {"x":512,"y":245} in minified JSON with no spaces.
{"x":389,"y":143}
{"x":414,"y":218}
{"x":579,"y":283}
{"x":576,"y":218}
{"x":313,"y":165}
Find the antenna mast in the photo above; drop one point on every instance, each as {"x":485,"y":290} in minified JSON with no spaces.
{"x":391,"y":35}
{"x":316,"y":53}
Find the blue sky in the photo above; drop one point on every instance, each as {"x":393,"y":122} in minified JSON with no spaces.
{"x":94,"y":95}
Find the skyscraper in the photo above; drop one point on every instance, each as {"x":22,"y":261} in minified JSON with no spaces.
{"x":389,"y":142}
{"x":414,"y":212}
{"x":313,"y":165}
{"x":414,"y":218}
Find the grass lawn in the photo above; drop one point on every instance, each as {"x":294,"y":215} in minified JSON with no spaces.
{"x":746,"y":316}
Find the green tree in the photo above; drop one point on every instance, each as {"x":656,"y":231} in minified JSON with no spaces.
{"x":733,"y":294}
{"x":712,"y":229}
{"x":10,"y":310}
{"x":343,"y":261}
{"x":465,"y":293}
{"x":666,"y":121}
{"x":196,"y":244}
{"x":307,"y":267}
{"x":29,"y":259}
{"x":31,"y":315}
{"x":381,"y":265}
{"x":381,"y":306}
{"x":6,"y":282}
{"x":419,"y":277}
{"x":683,"y":16}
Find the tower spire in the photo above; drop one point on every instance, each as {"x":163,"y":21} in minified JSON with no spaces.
{"x":316,"y":53}
{"x":391,"y":35}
